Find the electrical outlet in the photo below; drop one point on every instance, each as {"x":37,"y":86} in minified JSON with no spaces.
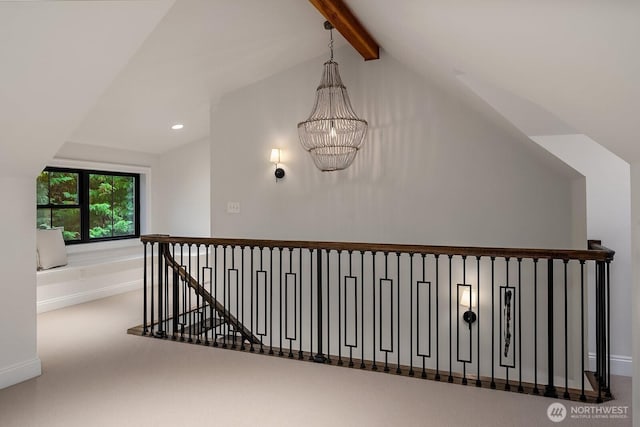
{"x":233,"y":207}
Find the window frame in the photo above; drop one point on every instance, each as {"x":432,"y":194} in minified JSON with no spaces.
{"x":83,"y":203}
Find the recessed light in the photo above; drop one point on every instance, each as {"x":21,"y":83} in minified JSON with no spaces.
{"x":177,"y":126}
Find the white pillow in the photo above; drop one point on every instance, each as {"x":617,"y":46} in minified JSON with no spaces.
{"x":50,"y":248}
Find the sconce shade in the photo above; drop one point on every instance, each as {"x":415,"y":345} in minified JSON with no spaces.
{"x":464,"y":299}
{"x":333,"y":133}
{"x":275,"y":155}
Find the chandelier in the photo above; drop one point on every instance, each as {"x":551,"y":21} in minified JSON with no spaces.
{"x":333,"y":133}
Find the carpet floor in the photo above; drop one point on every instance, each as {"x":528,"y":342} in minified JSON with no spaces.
{"x":94,"y":374}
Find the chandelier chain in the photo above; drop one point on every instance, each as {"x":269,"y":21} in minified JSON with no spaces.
{"x":331,"y":42}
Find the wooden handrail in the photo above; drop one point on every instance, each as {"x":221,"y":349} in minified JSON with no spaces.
{"x":596,"y":251}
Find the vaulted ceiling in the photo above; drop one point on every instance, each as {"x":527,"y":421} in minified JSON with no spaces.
{"x":123,"y":72}
{"x":576,"y":59}
{"x":199,"y":51}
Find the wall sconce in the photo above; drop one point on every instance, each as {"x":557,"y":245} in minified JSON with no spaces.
{"x":275,"y":159}
{"x":467,"y":301}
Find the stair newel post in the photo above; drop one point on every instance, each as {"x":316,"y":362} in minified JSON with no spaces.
{"x":319,"y":357}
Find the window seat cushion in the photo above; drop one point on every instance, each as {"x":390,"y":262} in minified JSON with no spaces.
{"x":50,"y":249}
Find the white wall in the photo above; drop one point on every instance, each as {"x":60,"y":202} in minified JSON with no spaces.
{"x":18,"y":358}
{"x":608,"y":193}
{"x":181,"y":191}
{"x":49,"y":81}
{"x":432,"y":171}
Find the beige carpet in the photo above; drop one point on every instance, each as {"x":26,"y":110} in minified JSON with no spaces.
{"x":97,"y":375}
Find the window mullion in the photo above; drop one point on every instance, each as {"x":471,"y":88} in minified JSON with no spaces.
{"x":84,"y":205}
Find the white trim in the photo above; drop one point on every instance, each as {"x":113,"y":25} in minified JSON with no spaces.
{"x":85,"y":164}
{"x":620,"y":365}
{"x":19,"y":372}
{"x":85,"y":296}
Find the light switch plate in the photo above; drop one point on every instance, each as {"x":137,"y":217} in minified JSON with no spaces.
{"x":233,"y":207}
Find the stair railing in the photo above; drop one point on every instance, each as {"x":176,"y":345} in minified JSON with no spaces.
{"x":532,"y":321}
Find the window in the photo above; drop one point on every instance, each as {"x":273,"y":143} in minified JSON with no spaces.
{"x":88,"y":205}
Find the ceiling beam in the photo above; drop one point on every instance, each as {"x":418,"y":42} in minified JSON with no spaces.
{"x":343,"y":20}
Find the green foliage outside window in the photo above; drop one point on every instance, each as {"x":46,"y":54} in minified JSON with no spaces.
{"x":111,"y":204}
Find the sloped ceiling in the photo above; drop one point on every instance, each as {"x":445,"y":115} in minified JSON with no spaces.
{"x":201,"y":50}
{"x":576,"y":59}
{"x":57,"y":59}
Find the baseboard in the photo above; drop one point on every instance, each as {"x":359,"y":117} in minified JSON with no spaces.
{"x":80,"y":297}
{"x":20,"y":372}
{"x":620,"y":365}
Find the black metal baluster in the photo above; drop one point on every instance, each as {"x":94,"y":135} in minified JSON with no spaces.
{"x":233,"y":268}
{"x":507,"y":386}
{"x":355,"y":317}
{"x":189,"y":305}
{"x":208,"y":267}
{"x":583,"y":398}
{"x":535,"y":326}
{"x":493,"y":321}
{"x":166,"y":293}
{"x":300,"y":354}
{"x":362,"y":364}
{"x":280,"y":273}
{"x":340,"y":308}
{"x":159,"y":331}
{"x":356,"y":309}
{"x":386,"y":275}
{"x":450,"y":379}
{"x":437,"y":376}
{"x":566,"y":334}
{"x":398,"y":370}
{"x":411,"y":373}
{"x":265,"y":302}
{"x":199,"y":283}
{"x":286,"y":296}
{"x":185,"y":290}
{"x":520,"y":387}
{"x":374,"y":367}
{"x":215,"y":292}
{"x":175,"y":287}
{"x":144,"y":290}
{"x":226,"y":304}
{"x":599,"y":280}
{"x":241,"y":274}
{"x":191,"y":310}
{"x":251,"y":347}
{"x":550,"y":389}
{"x":424,"y":278}
{"x":152,"y":333}
{"x":478,"y":381}
{"x":464,"y":281}
{"x":270,"y":300}
{"x":329,"y":307}
{"x":319,"y":357}
{"x":310,"y":304}
{"x":608,"y":352}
